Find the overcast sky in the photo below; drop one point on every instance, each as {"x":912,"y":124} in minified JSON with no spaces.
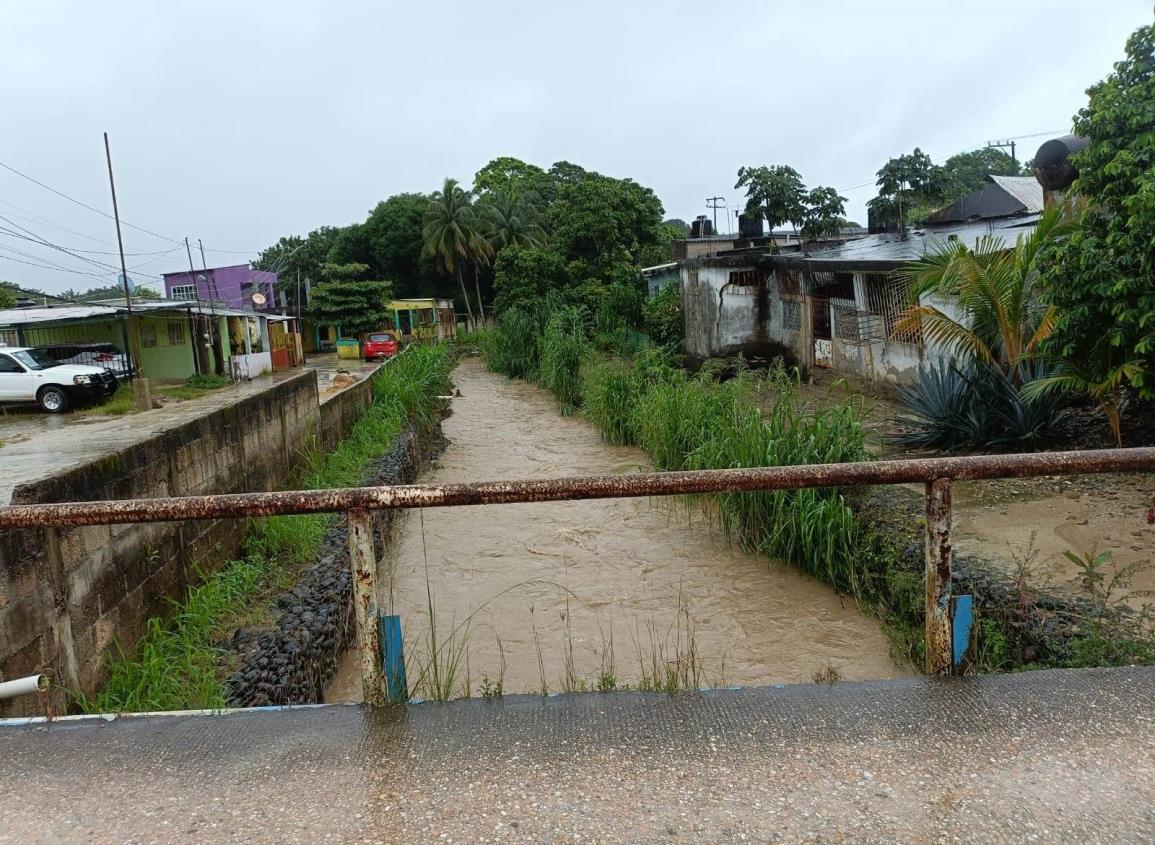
{"x":243,"y":121}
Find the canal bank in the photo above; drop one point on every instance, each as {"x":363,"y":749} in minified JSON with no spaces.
{"x":582,"y":595}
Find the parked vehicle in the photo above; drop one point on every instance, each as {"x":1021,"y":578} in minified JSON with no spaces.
{"x":104,"y":355}
{"x":380,"y":345}
{"x":30,"y":375}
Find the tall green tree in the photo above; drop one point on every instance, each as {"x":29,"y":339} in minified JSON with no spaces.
{"x":514,"y":178}
{"x":523,"y":276}
{"x":907,"y":180}
{"x":394,"y":233}
{"x":776,"y":193}
{"x":967,"y":172}
{"x":1101,"y":280}
{"x":602,"y":221}
{"x":510,"y":221}
{"x":454,"y":237}
{"x":7,"y":295}
{"x":348,"y":297}
{"x":823,"y":213}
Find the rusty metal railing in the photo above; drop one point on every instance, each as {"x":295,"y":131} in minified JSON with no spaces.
{"x":936,"y":473}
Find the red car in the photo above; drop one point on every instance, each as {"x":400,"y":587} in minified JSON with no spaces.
{"x":379,"y":345}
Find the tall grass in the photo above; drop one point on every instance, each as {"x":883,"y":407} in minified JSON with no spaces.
{"x":563,"y":343}
{"x":177,"y":664}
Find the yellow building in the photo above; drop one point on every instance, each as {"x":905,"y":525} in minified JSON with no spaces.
{"x":424,"y":319}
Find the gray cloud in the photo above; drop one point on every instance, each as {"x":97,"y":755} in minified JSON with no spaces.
{"x":241,"y":122}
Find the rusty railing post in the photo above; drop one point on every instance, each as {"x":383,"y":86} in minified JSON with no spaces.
{"x":938,"y":564}
{"x":363,"y":560}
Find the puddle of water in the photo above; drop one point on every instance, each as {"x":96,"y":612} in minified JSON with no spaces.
{"x":562,"y":579}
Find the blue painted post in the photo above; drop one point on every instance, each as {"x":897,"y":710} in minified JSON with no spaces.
{"x":962,"y":626}
{"x":393,"y":655}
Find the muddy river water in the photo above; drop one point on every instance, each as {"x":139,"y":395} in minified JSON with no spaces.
{"x":567,"y":594}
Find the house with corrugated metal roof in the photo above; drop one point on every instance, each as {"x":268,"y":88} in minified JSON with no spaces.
{"x":836,"y":305}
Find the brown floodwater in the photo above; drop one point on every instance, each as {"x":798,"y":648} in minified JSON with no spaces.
{"x":568,"y":593}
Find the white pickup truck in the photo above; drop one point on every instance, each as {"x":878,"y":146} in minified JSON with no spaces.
{"x":29,"y":375}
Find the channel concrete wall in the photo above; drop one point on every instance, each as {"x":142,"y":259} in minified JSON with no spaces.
{"x":69,"y":597}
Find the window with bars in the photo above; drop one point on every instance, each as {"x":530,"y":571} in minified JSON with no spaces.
{"x":183,"y":292}
{"x":887,"y":297}
{"x":788,"y":284}
{"x":792,"y":315}
{"x":175,"y":333}
{"x":148,"y":334}
{"x":746,"y":281}
{"x":846,"y":325}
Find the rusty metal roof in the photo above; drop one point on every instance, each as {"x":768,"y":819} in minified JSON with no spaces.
{"x":1002,"y":196}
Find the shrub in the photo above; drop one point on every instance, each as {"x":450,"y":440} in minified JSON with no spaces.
{"x":662,"y":317}
{"x":562,"y":345}
{"x":953,"y":409}
{"x":207,"y":381}
{"x":512,"y":347}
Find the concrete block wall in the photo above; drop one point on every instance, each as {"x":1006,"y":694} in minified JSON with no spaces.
{"x":69,"y":595}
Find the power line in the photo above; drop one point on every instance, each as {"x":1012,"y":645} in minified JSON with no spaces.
{"x":85,"y":205}
{"x":45,"y":242}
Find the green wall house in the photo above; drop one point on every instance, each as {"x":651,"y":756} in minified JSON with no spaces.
{"x":164,"y":339}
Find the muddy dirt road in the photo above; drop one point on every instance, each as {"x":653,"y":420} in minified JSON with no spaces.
{"x":570,"y":593}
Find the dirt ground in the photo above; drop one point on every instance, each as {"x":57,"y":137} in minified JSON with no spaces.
{"x":1029,"y":522}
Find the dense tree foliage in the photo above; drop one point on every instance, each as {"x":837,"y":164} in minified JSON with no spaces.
{"x":524,"y":275}
{"x":603,"y":221}
{"x":454,"y":237}
{"x":911,"y":187}
{"x":1102,"y":278}
{"x":7,"y":295}
{"x":350,"y":298}
{"x":779,"y":194}
{"x":579,"y":231}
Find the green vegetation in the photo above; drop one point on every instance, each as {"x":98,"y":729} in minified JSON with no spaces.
{"x":1101,"y":279}
{"x":911,"y":187}
{"x":640,"y":397}
{"x":349,"y":299}
{"x":178,"y":663}
{"x":522,"y":231}
{"x":779,"y":195}
{"x":207,"y":381}
{"x":983,"y":398}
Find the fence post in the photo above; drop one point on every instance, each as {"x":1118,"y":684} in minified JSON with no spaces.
{"x":938,"y":564}
{"x":363,"y":560}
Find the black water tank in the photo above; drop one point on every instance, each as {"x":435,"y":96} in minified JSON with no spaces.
{"x":1053,"y":168}
{"x":750,"y":225}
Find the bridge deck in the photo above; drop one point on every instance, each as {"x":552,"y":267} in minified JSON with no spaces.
{"x":1045,"y":756}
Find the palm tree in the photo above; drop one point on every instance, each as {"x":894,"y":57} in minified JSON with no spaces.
{"x":999,"y":291}
{"x":453,"y":235}
{"x":512,"y":223}
{"x":1100,"y":376}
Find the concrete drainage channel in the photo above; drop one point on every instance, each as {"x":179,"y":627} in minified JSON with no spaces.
{"x":295,"y":661}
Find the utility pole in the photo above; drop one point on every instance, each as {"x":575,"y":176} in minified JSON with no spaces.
{"x":1004,"y":144}
{"x":199,"y":321}
{"x":140,"y":394}
{"x":713,"y":202}
{"x":218,"y":348}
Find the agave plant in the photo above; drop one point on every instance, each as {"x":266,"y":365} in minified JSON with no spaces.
{"x":953,"y":408}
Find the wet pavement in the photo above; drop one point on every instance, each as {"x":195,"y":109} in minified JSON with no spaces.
{"x":1059,"y":756}
{"x":35,"y":445}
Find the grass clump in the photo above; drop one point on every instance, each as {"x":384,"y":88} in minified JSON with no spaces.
{"x":177,"y":663}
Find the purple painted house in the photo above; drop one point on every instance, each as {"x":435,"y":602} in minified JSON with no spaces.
{"x":233,"y":286}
